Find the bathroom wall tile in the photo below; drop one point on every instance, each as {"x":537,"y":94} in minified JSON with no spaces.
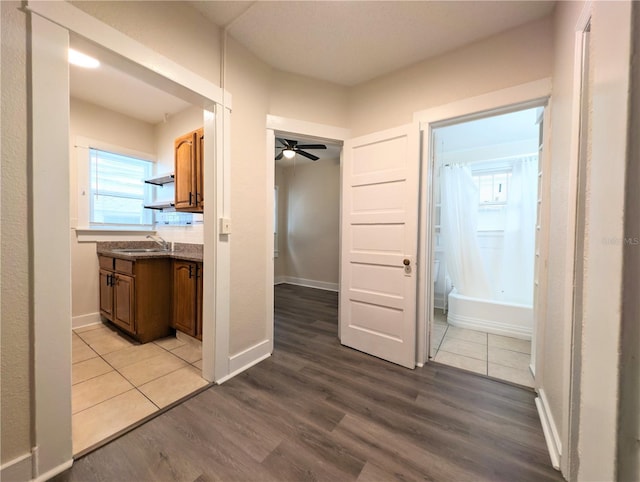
{"x":88,"y":369}
{"x":467,"y":335}
{"x":174,"y":386}
{"x":464,"y":362}
{"x":98,"y":389}
{"x":144,"y":371}
{"x":509,"y":343}
{"x":108,"y":418}
{"x":464,"y":348}
{"x":509,"y":358}
{"x":132,"y":354}
{"x":514,"y":375}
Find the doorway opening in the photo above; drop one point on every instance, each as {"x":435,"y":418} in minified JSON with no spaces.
{"x":485,"y":210}
{"x":307,"y":222}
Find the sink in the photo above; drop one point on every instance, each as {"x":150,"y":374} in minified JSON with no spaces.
{"x":139,"y":250}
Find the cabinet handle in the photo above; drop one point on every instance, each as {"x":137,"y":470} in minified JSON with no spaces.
{"x":190,"y":274}
{"x":109,"y":280}
{"x":190,"y":198}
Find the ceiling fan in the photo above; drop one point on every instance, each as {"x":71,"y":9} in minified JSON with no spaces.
{"x":291,"y":148}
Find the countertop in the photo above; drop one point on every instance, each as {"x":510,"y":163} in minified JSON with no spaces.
{"x":185,"y":251}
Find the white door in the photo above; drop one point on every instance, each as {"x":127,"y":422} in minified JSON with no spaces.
{"x":379,"y":235}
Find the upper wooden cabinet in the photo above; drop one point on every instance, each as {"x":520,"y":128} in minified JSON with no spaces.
{"x":189,"y":172}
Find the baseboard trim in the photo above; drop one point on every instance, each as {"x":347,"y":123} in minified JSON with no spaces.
{"x":246,"y":359}
{"x":309,"y":283}
{"x":489,"y":326}
{"x":17,"y":469}
{"x":549,"y":428}
{"x":85,"y":320}
{"x":53,"y":472}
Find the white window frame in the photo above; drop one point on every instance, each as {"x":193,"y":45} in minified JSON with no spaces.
{"x":81,"y":222}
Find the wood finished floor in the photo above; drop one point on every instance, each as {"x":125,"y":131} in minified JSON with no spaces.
{"x":318,"y":411}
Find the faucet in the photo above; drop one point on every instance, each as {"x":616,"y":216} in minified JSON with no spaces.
{"x":158,"y":239}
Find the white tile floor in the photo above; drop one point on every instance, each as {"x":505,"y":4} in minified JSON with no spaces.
{"x":497,"y":356}
{"x":118,"y":382}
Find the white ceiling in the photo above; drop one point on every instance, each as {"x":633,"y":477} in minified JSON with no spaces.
{"x":119,"y":92}
{"x":349,"y":42}
{"x":346,"y":42}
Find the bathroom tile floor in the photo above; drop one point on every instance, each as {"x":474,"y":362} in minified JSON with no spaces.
{"x":497,"y":356}
{"x":118,"y":382}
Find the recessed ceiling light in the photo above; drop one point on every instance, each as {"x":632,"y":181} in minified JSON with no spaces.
{"x":82,"y":60}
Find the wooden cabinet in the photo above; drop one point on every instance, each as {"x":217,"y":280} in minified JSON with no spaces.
{"x":187,"y":297}
{"x":189,"y":169}
{"x":136,"y":295}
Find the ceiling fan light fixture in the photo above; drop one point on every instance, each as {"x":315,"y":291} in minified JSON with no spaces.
{"x":289,"y":153}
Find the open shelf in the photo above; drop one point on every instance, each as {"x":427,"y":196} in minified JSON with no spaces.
{"x":160,"y":180}
{"x":164,"y":205}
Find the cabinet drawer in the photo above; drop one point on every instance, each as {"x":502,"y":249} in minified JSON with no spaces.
{"x":106,"y":262}
{"x":124,"y":266}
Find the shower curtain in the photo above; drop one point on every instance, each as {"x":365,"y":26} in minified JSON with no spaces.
{"x":518,"y":255}
{"x":459,"y":221}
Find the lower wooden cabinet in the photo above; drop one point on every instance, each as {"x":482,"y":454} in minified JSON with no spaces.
{"x":187,"y":297}
{"x":136,"y":296}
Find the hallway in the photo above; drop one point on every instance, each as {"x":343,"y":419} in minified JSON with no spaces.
{"x":318,"y":411}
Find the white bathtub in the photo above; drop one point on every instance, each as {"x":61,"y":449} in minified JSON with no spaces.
{"x":497,"y":317}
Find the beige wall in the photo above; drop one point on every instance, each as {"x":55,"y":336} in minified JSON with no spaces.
{"x":96,"y":123}
{"x":504,"y":60}
{"x":194,"y":42}
{"x":560,"y":267}
{"x":298,"y":97}
{"x":313,"y":221}
{"x":15,"y":356}
{"x":248,"y":81}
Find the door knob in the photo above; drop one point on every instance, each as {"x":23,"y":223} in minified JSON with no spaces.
{"x":406,"y":262}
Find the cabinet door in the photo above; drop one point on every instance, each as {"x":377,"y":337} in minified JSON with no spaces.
{"x":106,"y":294}
{"x":200,"y":169}
{"x":184,"y":152}
{"x":184,"y":296}
{"x":124,"y":302}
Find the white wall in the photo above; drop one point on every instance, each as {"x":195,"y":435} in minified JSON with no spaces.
{"x":100,"y":124}
{"x":599,"y":396}
{"x":312,"y":190}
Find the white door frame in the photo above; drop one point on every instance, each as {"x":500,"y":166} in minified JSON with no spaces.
{"x":51,"y":24}
{"x":531,"y":94}
{"x":296,"y":127}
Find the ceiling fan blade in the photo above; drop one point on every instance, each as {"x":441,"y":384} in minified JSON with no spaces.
{"x":307,"y":155}
{"x":283,"y":142}
{"x":291,"y":143}
{"x":279,"y":156}
{"x":311,"y":146}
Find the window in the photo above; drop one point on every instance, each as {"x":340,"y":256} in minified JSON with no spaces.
{"x":117,"y":190}
{"x":493,"y":188}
